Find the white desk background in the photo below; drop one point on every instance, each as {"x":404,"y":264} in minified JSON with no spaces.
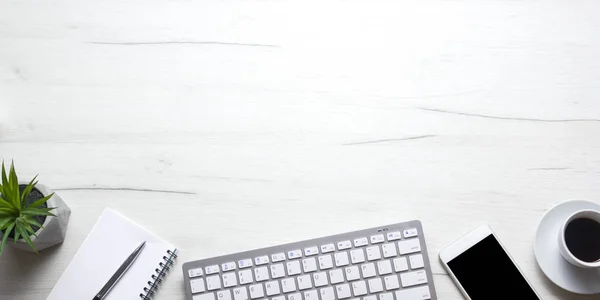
{"x":225,"y":126}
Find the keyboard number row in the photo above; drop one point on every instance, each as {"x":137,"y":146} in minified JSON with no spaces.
{"x":341,"y":258}
{"x":294,"y":254}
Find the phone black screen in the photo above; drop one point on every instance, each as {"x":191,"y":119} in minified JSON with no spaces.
{"x":486,"y":272}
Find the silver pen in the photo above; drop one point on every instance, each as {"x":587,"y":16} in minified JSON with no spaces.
{"x":119,"y":273}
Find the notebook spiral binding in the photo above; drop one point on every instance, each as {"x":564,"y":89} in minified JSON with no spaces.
{"x":161,"y":272}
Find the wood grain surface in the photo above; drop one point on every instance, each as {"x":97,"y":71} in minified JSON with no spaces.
{"x":225,"y":126}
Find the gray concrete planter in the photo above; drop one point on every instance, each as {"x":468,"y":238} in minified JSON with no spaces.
{"x":54,"y":228}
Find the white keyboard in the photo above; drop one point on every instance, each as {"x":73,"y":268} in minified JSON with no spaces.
{"x":383,"y":263}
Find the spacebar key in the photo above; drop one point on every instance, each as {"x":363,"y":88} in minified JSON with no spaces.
{"x":419,"y":293}
{"x":413,"y":278}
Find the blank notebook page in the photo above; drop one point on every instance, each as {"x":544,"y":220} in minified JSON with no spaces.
{"x":108,"y":245}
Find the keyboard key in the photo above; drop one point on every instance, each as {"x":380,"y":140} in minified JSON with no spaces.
{"x":325,"y":262}
{"x":293,"y":267}
{"x":375,"y":285}
{"x":311,"y":251}
{"x":211,"y":269}
{"x":387,"y":296}
{"x":413,"y":278}
{"x":256,"y":291}
{"x":304,"y":282}
{"x":224,"y":295}
{"x":359,"y":288}
{"x":361,"y":242}
{"x":409,"y":246}
{"x":245,"y":263}
{"x":327,"y":248}
{"x":394,"y":235}
{"x":376,"y":239}
{"x":288,"y":285}
{"x":384,"y":267}
{"x":261,"y":260}
{"x":213,"y":282}
{"x":373,"y":253}
{"x":240,"y":293}
{"x":294,"y":254}
{"x":371,"y":297}
{"x":416,"y":261}
{"x":245,"y":276}
{"x":418,"y":293}
{"x":320,"y":279}
{"x":277,"y":271}
{"x":410,"y":233}
{"x":343,"y":291}
{"x":272,"y":288}
{"x":295,"y":296}
{"x":261,"y":274}
{"x":341,"y":259}
{"x":277,"y":257}
{"x":278,"y":298}
{"x":357,"y":256}
{"x":197,"y":285}
{"x":336,"y":276}
{"x":400,"y":264}
{"x":311,"y":295}
{"x":207,"y":296}
{"x":229,"y":279}
{"x":195,"y":272}
{"x":309,"y":265}
{"x":227,"y":267}
{"x":368,"y":270}
{"x":389,"y":250}
{"x":327,"y":293}
{"x":352,"y":273}
{"x":343,"y":245}
{"x":391,"y":282}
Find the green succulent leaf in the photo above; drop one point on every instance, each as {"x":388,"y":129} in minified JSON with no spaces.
{"x":14,"y":180}
{"x":38,"y":211}
{"x":5,"y":180}
{"x":40,"y":202}
{"x":5,"y":235}
{"x":30,"y":229}
{"x":27,"y":190}
{"x":9,"y":212}
{"x":31,"y":221}
{"x":4,"y":221}
{"x":25,"y":235}
{"x":17,"y":231}
{"x":5,"y":204}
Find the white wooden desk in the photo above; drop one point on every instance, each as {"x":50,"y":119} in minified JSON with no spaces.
{"x":229,"y":125}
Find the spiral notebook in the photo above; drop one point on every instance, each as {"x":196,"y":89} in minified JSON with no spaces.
{"x":107,"y":246}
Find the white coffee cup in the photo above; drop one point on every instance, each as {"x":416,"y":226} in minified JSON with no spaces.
{"x":562,"y":245}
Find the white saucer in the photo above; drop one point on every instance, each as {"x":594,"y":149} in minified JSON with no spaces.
{"x":556,"y":268}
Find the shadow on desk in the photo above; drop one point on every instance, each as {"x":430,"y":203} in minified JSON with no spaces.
{"x":24,"y":267}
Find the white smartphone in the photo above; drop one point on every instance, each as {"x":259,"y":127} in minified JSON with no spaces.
{"x":483,"y":270}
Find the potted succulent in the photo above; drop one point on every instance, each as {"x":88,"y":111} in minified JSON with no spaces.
{"x":30,"y":214}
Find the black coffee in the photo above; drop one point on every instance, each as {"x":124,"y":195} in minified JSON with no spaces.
{"x":582,"y":237}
